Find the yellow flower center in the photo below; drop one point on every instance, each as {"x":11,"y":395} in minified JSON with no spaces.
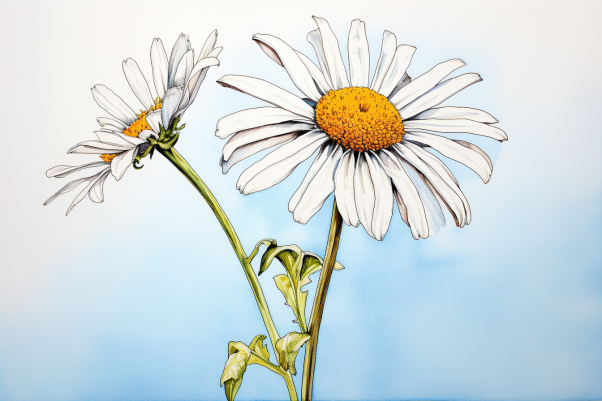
{"x":136,"y":127}
{"x":359,"y":119}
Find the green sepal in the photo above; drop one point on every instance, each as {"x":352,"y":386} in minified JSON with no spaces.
{"x":288,"y":347}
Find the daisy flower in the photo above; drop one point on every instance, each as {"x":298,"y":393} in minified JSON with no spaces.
{"x":127,"y":136}
{"x":377,"y":141}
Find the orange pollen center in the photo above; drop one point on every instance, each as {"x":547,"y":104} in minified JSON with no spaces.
{"x":136,"y":127}
{"x":359,"y":119}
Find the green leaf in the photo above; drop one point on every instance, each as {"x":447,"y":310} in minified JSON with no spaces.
{"x":287,"y":255}
{"x":259,"y":348}
{"x":236,"y":365}
{"x":266,"y":242}
{"x":288,"y":347}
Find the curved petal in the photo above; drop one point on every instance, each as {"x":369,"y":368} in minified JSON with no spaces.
{"x":434,"y":214}
{"x":253,"y":118}
{"x":180,"y":48}
{"x":425,"y":82}
{"x":315,"y":39}
{"x":359,"y":54}
{"x":171,"y":103}
{"x":438,"y":94}
{"x":113,"y":104}
{"x":403,"y":82}
{"x":453,"y":113}
{"x":209,"y":45}
{"x":448,"y":195}
{"x":278,"y":164}
{"x":269,"y":92}
{"x":364,"y":194}
{"x":448,"y":148}
{"x":96,"y":194}
{"x":319,"y":79}
{"x":249,"y":150}
{"x":319,"y":160}
{"x":320,"y":187}
{"x":387,"y":53}
{"x":383,"y":191}
{"x":92,"y":180}
{"x":119,"y":139}
{"x":138,"y":83}
{"x":246,"y":137}
{"x":63,"y":171}
{"x":154,"y":119}
{"x":332,"y":54}
{"x":69,"y":187}
{"x":458,"y":125}
{"x":111,"y":124}
{"x":408,"y":199}
{"x":397,"y":70}
{"x":97,"y":148}
{"x":122,"y":161}
{"x":160,"y":66}
{"x":184,"y":68}
{"x":286,"y":56}
{"x":343,"y":191}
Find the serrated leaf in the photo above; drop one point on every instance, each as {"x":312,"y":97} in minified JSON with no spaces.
{"x":288,"y":347}
{"x":259,"y":347}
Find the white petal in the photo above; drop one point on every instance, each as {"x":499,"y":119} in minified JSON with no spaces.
{"x":171,"y":103}
{"x":122,"y":161}
{"x":117,"y":138}
{"x":246,"y":137}
{"x":215,"y":52}
{"x":278,"y":164}
{"x":343,"y":191}
{"x":69,"y":187}
{"x":387,"y":52}
{"x":269,"y":92}
{"x":252,"y":118}
{"x":476,"y":149}
{"x":184,"y":69}
{"x":448,"y":148}
{"x":438,"y":94}
{"x":364,"y":194}
{"x":110,"y":123}
{"x":113,"y":104}
{"x":97,"y":148}
{"x":138,"y":83}
{"x":397,"y":70}
{"x":181,"y":47}
{"x":315,"y":39}
{"x":63,"y":171}
{"x":447,"y":194}
{"x":425,"y":82}
{"x":332,"y":54}
{"x":96,"y":195}
{"x":319,"y":160}
{"x":154,"y":119}
{"x":403,"y":82}
{"x":459,"y":125}
{"x":160,"y":66}
{"x":432,"y":208}
{"x":452,"y":113}
{"x":383,"y":204}
{"x":202,"y":64}
{"x":144,"y":135}
{"x":209,"y":45}
{"x":319,"y":79}
{"x":318,"y":190}
{"x":196,"y":79}
{"x":253,"y":148}
{"x":284,"y":55}
{"x":86,"y":190}
{"x":359,"y":54}
{"x":410,"y":205}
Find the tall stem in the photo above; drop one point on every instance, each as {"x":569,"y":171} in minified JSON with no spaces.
{"x":182,"y":165}
{"x":311,"y":346}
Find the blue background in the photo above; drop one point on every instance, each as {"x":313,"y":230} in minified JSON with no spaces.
{"x":137,"y":298}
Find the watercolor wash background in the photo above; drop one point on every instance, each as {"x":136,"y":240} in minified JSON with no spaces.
{"x":137,"y":298}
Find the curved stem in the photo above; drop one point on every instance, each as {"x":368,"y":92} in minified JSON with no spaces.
{"x":311,"y":346}
{"x":182,"y":165}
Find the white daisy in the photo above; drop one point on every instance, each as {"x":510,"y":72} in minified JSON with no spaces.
{"x":374,"y":138}
{"x":122,"y":138}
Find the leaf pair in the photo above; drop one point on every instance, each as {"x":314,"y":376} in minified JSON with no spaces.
{"x":299,"y":265}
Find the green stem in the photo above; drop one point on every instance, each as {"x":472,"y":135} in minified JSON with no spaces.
{"x":311,"y":346}
{"x":182,"y":165}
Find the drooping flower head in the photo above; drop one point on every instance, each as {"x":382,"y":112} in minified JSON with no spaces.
{"x":376,"y":140}
{"x":127,"y":136}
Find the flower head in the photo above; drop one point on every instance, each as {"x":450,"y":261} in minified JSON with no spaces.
{"x":376,"y":140}
{"x":129,"y":136}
